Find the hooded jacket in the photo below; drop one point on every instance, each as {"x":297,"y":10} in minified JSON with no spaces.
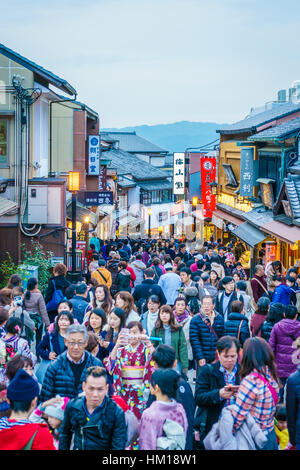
{"x":123,"y":281}
{"x":14,"y":435}
{"x":282,"y":294}
{"x":138,"y":267}
{"x":283,"y":335}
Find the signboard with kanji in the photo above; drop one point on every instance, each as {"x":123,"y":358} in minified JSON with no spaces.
{"x":247,"y":172}
{"x":102,"y":183}
{"x":208,"y":167}
{"x":97,"y":198}
{"x":178,"y":173}
{"x":94,"y":155}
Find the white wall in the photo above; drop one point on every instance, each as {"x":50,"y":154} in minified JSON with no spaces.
{"x":134,"y":201}
{"x":40,"y":136}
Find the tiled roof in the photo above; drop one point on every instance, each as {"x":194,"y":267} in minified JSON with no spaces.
{"x":256,"y":120}
{"x":46,"y":74}
{"x":130,"y":142}
{"x":292,"y":187}
{"x":127,"y":164}
{"x":279,"y":131}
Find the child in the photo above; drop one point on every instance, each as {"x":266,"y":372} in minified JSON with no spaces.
{"x":281,"y":430}
{"x":52,"y":412}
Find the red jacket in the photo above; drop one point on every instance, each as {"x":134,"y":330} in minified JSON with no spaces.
{"x":16,"y":436}
{"x":133,"y":275}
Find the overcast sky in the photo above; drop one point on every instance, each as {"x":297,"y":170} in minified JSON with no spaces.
{"x":160,"y":61}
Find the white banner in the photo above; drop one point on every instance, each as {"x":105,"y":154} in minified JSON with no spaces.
{"x":178,"y":173}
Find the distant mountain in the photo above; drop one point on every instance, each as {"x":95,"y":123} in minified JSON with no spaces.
{"x":178,"y":136}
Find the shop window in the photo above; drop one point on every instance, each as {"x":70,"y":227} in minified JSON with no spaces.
{"x":3,"y":142}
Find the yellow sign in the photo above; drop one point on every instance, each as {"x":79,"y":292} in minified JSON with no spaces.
{"x":231,"y":201}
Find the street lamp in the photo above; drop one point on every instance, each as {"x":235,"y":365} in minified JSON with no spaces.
{"x":73,"y":183}
{"x":149,"y":222}
{"x":194,"y":205}
{"x":214,"y":188}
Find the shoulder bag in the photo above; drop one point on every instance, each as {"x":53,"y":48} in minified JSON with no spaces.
{"x":253,"y":303}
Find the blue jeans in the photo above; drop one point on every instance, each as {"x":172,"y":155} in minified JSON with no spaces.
{"x":271,"y":443}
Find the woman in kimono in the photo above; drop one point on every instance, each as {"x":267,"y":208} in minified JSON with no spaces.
{"x":131,"y":365}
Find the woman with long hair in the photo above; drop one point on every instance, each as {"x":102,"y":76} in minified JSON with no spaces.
{"x":183,"y":318}
{"x":214,"y":279}
{"x":57,"y":281}
{"x":97,"y":324}
{"x":117,"y":321}
{"x":14,"y":281}
{"x":103,"y":299}
{"x":172,"y":334}
{"x":259,"y":316}
{"x":131,"y":367}
{"x":125,"y":301}
{"x":6,"y":298}
{"x":259,"y":389}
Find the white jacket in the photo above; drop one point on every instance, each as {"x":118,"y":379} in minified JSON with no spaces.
{"x":247,"y":437}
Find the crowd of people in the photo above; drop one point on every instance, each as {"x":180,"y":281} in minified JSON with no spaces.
{"x":165,"y":345}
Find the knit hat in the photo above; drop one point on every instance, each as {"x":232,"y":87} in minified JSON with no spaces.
{"x":168,"y":266}
{"x":23,"y":387}
{"x":57,"y":410}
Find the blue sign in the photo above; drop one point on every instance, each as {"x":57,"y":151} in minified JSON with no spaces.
{"x":97,"y":198}
{"x":247,"y":172}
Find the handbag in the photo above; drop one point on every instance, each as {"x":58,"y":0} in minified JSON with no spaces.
{"x":56,"y":298}
{"x":272,"y":389}
{"x":44,"y":364}
{"x":253,"y":303}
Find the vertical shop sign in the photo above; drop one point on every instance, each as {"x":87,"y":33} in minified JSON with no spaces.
{"x":94,"y":155}
{"x":178,"y":173}
{"x":247,"y":172}
{"x":271,"y":251}
{"x":208,"y":167}
{"x":102,"y":178}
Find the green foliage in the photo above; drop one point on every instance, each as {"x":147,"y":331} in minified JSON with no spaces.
{"x":7,"y":269}
{"x":38,"y":257}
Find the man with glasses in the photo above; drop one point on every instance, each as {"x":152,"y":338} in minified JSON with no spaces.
{"x":95,"y":420}
{"x":66,"y":374}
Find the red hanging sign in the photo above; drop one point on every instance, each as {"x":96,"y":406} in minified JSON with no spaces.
{"x":208,"y":167}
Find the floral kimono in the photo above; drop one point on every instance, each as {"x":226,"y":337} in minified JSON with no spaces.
{"x":131,"y":371}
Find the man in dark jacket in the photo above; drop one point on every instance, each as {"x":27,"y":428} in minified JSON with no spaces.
{"x":206,"y":327}
{"x":164,"y":357}
{"x":224,"y":300}
{"x":237,"y":323}
{"x":149,"y":287}
{"x":96,"y":421}
{"x":212,"y":392}
{"x":79,"y":302}
{"x":293,"y":408}
{"x":65,"y":375}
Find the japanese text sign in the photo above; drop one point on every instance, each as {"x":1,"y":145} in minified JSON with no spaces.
{"x":246,"y":172}
{"x":178,"y":173}
{"x":208,"y":167}
{"x":94,"y":155}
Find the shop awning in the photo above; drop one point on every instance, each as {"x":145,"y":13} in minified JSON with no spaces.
{"x":81,"y":213}
{"x":230,"y":218}
{"x":106,"y":209}
{"x":286,"y":233}
{"x":249,"y":234}
{"x":6,"y":205}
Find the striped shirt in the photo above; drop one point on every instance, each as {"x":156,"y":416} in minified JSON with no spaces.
{"x":255,"y":397}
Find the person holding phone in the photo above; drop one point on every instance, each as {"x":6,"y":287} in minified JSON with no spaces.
{"x":216,"y":386}
{"x":130,"y":364}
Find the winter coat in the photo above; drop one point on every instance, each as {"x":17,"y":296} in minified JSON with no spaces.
{"x":104,"y":430}
{"x":123,"y":281}
{"x":26,"y":320}
{"x":44,"y":349}
{"x":219,"y":304}
{"x":282,"y":294}
{"x":112,"y":267}
{"x":246,"y":299}
{"x":80,"y":307}
{"x":209,"y":382}
{"x":203,"y":341}
{"x":293,"y":407}
{"x":283,"y":335}
{"x":36,"y":304}
{"x":186,"y":329}
{"x":248,"y":437}
{"x":219,"y":269}
{"x":266,"y":330}
{"x":208,"y":289}
{"x":144,"y":321}
{"x":257,"y":289}
{"x":178,"y":342}
{"x":256,"y":324}
{"x":170,"y":283}
{"x":139,"y":267}
{"x":147,"y":288}
{"x":59,"y":378}
{"x":60,"y":282}
{"x":14,"y":435}
{"x":237,"y":321}
{"x":102,"y":276}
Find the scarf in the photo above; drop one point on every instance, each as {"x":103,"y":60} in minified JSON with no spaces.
{"x":181,"y":318}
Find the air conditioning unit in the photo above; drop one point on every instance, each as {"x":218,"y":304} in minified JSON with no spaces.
{"x":44,"y":205}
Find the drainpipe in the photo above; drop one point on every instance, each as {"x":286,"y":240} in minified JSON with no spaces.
{"x":283,"y":152}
